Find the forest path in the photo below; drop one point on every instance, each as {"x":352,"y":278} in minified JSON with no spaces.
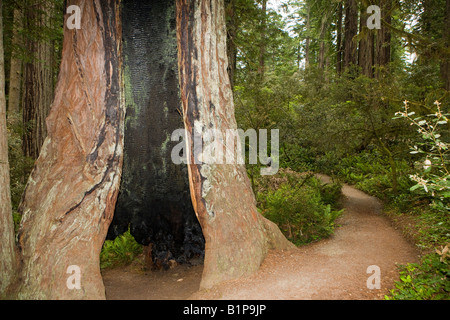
{"x":334,"y":268}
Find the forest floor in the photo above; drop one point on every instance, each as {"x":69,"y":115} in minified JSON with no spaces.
{"x":335,"y":268}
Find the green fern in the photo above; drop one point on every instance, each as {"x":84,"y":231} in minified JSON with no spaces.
{"x":120,"y":251}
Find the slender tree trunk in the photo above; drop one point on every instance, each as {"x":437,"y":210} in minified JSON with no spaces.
{"x":7,"y":252}
{"x":445,"y":64}
{"x":70,"y":197}
{"x":339,"y":39}
{"x":308,"y":37}
{"x":15,"y":75}
{"x":366,"y":45}
{"x":323,"y":43}
{"x":383,"y":43}
{"x":237,"y":237}
{"x":351,"y":29}
{"x":262,"y":44}
{"x":38,"y":79}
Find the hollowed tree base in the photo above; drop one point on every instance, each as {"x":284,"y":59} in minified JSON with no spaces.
{"x":154,"y":198}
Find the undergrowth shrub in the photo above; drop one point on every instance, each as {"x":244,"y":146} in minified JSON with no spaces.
{"x":370,"y":172}
{"x":428,"y":280}
{"x":304,"y":208}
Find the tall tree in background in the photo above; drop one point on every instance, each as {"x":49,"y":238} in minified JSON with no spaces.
{"x":366,"y":43}
{"x":351,"y":30}
{"x":15,"y":74}
{"x":445,"y":63}
{"x":432,"y":46}
{"x":38,"y":74}
{"x":308,"y":36}
{"x":339,"y":43}
{"x":324,"y":26}
{"x":262,"y":44}
{"x":7,"y":245}
{"x":383,"y":42}
{"x":231,"y":21}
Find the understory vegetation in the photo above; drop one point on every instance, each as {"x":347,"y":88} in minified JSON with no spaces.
{"x":304,"y":208}
{"x":384,"y":128}
{"x":122,"y":250}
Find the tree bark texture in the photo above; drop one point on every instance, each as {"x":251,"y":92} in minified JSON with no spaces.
{"x":351,"y":29}
{"x":15,"y":74}
{"x":383,"y":42}
{"x":230,"y":7}
{"x":237,"y":237}
{"x":7,"y":247}
{"x":445,"y":64}
{"x":366,"y":45}
{"x":339,"y":50}
{"x":71,"y":194}
{"x":38,"y":79}
{"x":323,"y":42}
{"x":262,"y":44}
{"x":308,"y":37}
{"x":154,"y":198}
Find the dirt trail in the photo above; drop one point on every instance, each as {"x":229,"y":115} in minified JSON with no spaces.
{"x":335,"y":268}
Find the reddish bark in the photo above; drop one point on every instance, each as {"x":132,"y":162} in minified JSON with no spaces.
{"x":70,"y":197}
{"x":237,"y":236}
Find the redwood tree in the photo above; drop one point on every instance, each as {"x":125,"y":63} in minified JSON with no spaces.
{"x":70,"y":197}
{"x":71,"y":194}
{"x":37,"y":77}
{"x":383,"y":42}
{"x":7,"y":252}
{"x":237,"y":237}
{"x":351,"y":29}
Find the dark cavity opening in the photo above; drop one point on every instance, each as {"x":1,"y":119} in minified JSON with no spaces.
{"x":154,"y":199}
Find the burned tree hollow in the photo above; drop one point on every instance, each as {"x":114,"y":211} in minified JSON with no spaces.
{"x":154,"y":199}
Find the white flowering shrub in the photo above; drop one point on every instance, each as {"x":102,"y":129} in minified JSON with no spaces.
{"x":434,"y":176}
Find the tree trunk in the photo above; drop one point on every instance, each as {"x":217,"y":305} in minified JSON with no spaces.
{"x":237,"y":237}
{"x":154,"y":199}
{"x":230,"y":6}
{"x":38,"y":79}
{"x":262,"y":44}
{"x":351,"y":29}
{"x":366,"y":45}
{"x":7,"y":252}
{"x":15,"y":75}
{"x":71,"y":194}
{"x":323,"y":43}
{"x":308,"y":37}
{"x":445,"y":64}
{"x":339,"y":39}
{"x":383,"y":43}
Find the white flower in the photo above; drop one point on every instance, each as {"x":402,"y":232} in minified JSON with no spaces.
{"x":427,"y":164}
